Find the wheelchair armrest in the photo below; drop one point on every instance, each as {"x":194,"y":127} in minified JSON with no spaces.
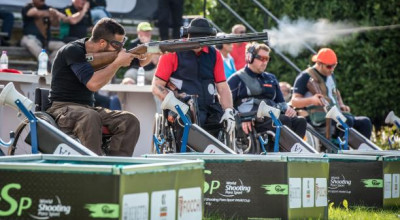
{"x":247,"y":116}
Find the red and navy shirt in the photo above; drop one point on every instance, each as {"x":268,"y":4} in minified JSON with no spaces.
{"x":168,"y":64}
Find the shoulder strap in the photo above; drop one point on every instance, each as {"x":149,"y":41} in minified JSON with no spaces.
{"x":321,"y":83}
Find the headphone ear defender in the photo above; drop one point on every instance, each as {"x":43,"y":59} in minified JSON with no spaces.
{"x":250,"y":55}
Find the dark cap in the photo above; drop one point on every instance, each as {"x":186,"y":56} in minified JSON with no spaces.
{"x":198,"y":27}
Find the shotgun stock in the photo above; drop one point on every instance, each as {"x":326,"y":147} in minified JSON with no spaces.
{"x":102,"y":59}
{"x":313,"y":87}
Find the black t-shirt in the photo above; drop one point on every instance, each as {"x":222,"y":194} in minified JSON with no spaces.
{"x":29,"y":26}
{"x":80,"y":29}
{"x":135,"y":62}
{"x":70,"y":73}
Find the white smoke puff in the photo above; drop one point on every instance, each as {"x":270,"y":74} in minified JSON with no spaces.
{"x":293,"y":36}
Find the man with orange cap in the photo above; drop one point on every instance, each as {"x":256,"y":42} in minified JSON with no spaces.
{"x":315,"y":89}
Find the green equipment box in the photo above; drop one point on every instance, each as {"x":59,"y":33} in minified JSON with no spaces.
{"x":355,"y":180}
{"x":379,"y":176}
{"x":82,"y":187}
{"x":391,"y":176}
{"x":281,"y":186}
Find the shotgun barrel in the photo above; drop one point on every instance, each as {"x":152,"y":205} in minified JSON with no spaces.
{"x":102,"y":59}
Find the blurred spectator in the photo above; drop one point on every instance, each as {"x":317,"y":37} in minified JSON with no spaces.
{"x":144,"y":36}
{"x":229,"y":64}
{"x":168,"y":9}
{"x":286,"y":90}
{"x":106,"y":101}
{"x":37,"y":18}
{"x":7,"y":26}
{"x":79,"y":20}
{"x":239,"y":49}
{"x":98,"y":10}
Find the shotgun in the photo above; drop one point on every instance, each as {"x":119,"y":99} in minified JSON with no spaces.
{"x":102,"y":59}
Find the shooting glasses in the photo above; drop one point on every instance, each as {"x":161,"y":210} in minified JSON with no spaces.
{"x":262,"y":58}
{"x":116,"y":44}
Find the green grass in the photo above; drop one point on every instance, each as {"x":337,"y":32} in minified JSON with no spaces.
{"x":361,"y":213}
{"x":355,"y":213}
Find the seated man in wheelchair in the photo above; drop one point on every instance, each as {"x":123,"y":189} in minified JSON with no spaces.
{"x":74,"y":82}
{"x":252,"y":85}
{"x":200,"y":73}
{"x":315,"y":92}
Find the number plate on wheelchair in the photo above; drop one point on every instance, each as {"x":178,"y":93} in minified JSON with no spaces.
{"x":63,"y":149}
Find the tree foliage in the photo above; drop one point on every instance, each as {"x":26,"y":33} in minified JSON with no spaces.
{"x":368,"y":73}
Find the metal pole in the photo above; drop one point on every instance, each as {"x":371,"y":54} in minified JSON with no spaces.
{"x":279,"y":22}
{"x":204,"y":8}
{"x":254,"y":31}
{"x":237,"y":16}
{"x":216,"y":27}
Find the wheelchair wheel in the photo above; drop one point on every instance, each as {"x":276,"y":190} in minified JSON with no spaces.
{"x":157,"y":123}
{"x":164,"y":132}
{"x":19,"y":146}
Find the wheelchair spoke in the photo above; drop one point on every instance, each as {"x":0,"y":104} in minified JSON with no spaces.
{"x":19,"y":145}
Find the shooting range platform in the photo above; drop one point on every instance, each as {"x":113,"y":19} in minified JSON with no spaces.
{"x":356,"y":179}
{"x":382,"y":176}
{"x":82,"y":187}
{"x":281,"y":186}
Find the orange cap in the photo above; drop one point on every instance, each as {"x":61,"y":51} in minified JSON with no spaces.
{"x":325,"y":56}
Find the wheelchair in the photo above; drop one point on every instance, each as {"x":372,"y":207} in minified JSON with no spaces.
{"x":254,"y":142}
{"x":179,"y":133}
{"x":282,"y":139}
{"x":340,"y":136}
{"x":22,"y":139}
{"x":169,"y":138}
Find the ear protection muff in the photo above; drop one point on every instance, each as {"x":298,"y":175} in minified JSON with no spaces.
{"x":205,"y":31}
{"x":250,"y":54}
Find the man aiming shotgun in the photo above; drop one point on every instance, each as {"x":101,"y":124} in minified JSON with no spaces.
{"x":73,"y":85}
{"x":102,"y":59}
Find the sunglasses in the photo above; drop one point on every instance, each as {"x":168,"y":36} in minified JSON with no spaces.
{"x":242,"y":32}
{"x":262,"y":58}
{"x":329,"y":67}
{"x":116,"y":44}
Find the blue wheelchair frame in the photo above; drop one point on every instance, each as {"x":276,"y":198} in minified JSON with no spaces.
{"x":33,"y":128}
{"x":345,"y":143}
{"x":187,"y":125}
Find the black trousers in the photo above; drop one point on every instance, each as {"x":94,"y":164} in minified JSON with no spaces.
{"x":361,"y":123}
{"x":170,"y":9}
{"x":296,"y":124}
